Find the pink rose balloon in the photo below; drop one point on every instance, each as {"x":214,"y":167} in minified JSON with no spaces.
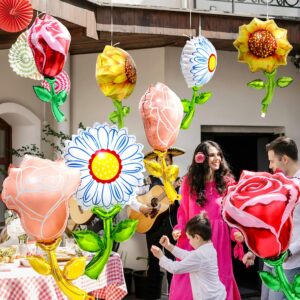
{"x":39,"y":191}
{"x":162,"y":113}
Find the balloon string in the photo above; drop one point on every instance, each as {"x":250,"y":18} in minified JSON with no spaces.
{"x":190,"y":19}
{"x":111,"y":23}
{"x":267,"y":9}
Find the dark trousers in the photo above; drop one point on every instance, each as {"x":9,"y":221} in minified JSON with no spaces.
{"x":161,"y":227}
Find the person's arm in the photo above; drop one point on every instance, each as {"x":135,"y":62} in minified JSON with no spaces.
{"x":180,"y":253}
{"x":134,"y":204}
{"x":191,"y":263}
{"x":176,"y":251}
{"x":294,"y":247}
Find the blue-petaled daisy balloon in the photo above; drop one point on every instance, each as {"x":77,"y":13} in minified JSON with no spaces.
{"x":198,"y":61}
{"x":110,"y":162}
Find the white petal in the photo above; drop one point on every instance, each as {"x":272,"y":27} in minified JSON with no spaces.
{"x":80,"y":154}
{"x":121,"y":143}
{"x":132,"y":168}
{"x":106,"y":196}
{"x":78,"y":164}
{"x":130,"y":152}
{"x":103,"y":137}
{"x":117,"y":192}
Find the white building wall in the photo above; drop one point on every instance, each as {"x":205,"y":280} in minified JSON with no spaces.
{"x":233,"y":103}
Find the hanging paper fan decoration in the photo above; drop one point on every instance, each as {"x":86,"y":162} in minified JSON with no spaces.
{"x":62,"y":82}
{"x":15,"y":15}
{"x":21,"y":59}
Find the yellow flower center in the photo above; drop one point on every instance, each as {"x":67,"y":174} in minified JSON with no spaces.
{"x":130,"y":70}
{"x":262,"y":43}
{"x":105,"y":166}
{"x":212,"y":63}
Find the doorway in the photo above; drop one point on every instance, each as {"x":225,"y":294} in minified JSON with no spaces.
{"x":5,"y":159}
{"x":244,"y":149}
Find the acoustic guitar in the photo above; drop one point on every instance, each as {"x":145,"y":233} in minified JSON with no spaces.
{"x":156,"y":198}
{"x":77,"y":214}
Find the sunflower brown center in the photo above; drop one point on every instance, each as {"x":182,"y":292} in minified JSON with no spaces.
{"x":130,"y":70}
{"x":262,"y":43}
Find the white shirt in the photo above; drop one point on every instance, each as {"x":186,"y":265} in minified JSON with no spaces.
{"x":294,"y":260}
{"x":202,"y":266}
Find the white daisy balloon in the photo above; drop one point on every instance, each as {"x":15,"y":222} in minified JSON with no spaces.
{"x":198,"y":61}
{"x":110,"y":162}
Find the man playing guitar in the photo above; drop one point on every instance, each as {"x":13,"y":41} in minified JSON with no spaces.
{"x":163,"y":225}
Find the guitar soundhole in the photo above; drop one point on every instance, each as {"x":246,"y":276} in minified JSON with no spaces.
{"x":154,"y":202}
{"x":156,"y":205}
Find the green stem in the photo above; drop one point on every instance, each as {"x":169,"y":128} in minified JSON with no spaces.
{"x":59,"y":116}
{"x":270,"y":88}
{"x":94,"y":270}
{"x":119,"y":107}
{"x":186,"y":122}
{"x":286,"y":287}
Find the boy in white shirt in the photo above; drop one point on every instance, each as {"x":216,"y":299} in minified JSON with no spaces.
{"x":201,"y":263}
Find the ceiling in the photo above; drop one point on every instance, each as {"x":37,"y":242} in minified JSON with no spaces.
{"x":136,"y":28}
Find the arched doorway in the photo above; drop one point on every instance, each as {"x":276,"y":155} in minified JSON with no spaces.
{"x":5,"y":158}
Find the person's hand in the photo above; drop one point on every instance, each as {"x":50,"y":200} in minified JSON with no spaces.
{"x":176,"y":234}
{"x":156,"y":251}
{"x":164,"y":241}
{"x":145,"y":210}
{"x":238,"y":237}
{"x":177,"y":183}
{"x":248,"y":259}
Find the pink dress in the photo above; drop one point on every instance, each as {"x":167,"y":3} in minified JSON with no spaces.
{"x":180,"y":286}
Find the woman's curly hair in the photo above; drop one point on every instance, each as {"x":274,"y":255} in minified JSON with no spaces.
{"x":198,"y":172}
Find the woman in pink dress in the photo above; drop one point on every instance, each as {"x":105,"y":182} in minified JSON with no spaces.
{"x":202,"y":189}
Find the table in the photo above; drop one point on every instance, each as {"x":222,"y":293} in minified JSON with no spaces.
{"x":25,"y":284}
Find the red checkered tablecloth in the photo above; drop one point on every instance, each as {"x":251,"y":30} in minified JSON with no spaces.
{"x":26,"y":284}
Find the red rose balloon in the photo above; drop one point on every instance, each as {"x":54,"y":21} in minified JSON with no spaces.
{"x":49,"y":41}
{"x":261,"y":206}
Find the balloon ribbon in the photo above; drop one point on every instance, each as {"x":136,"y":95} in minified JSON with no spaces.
{"x":72,"y":270}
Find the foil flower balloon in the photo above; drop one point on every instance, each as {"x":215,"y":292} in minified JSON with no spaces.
{"x":49,"y":41}
{"x":161,"y":112}
{"x":116,"y":76}
{"x":198,"y":61}
{"x":261,"y":206}
{"x":40,"y":181}
{"x":264,"y":46}
{"x":111,"y":166}
{"x":39,"y":191}
{"x":198,"y":64}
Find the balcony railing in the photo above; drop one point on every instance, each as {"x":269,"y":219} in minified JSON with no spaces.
{"x":275,"y":8}
{"x":272,"y":8}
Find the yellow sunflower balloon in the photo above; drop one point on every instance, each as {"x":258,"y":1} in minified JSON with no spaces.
{"x":116,"y":76}
{"x":264,"y":46}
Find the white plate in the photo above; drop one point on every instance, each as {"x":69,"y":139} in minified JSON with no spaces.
{"x":9,"y":266}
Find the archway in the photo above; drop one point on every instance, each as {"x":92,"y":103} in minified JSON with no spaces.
{"x":26,"y":126}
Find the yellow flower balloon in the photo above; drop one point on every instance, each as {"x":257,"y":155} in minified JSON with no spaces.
{"x":262,"y":45}
{"x":115,"y":73}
